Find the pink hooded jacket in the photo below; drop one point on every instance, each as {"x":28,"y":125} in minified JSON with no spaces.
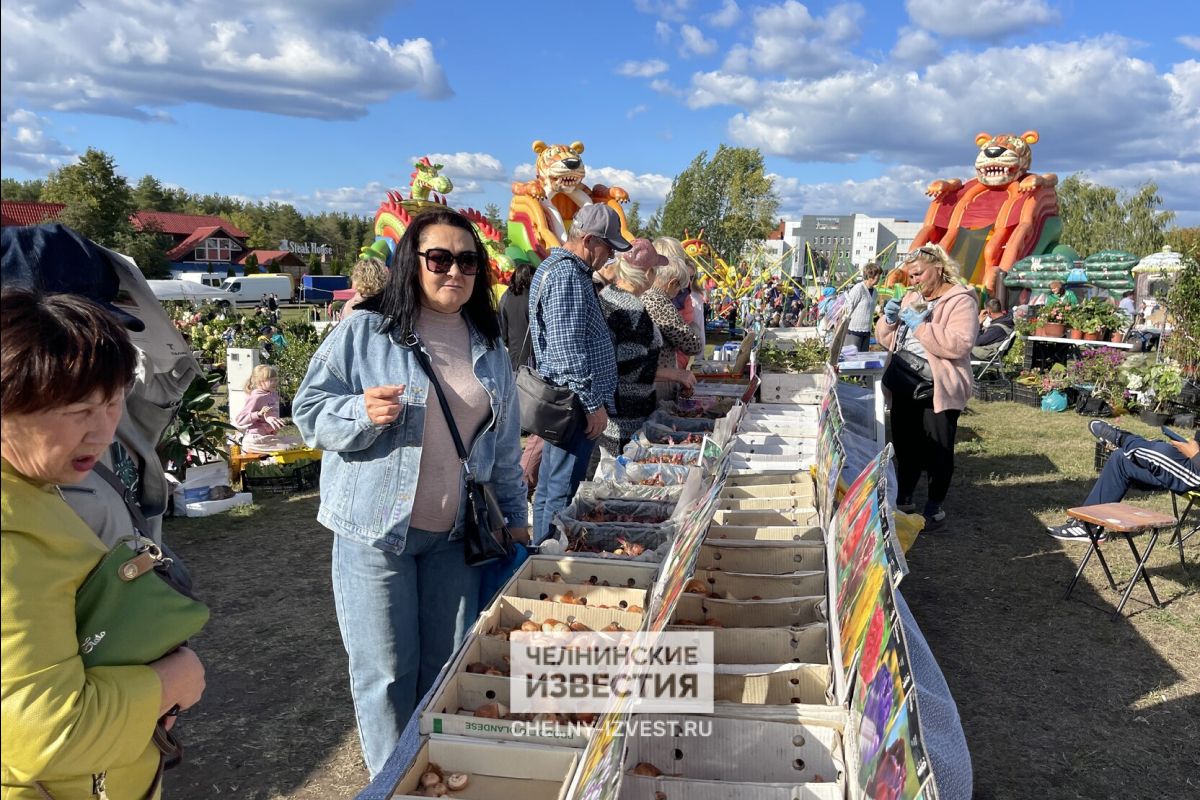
{"x":948,"y":336}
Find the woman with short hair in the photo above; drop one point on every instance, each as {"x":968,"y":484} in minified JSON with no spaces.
{"x":392,"y":484}
{"x":936,"y":323}
{"x":861,"y":300}
{"x":637,"y":342}
{"x":69,"y":730}
{"x":678,"y":335}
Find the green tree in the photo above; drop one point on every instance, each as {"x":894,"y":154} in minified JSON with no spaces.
{"x":633,"y":220}
{"x":98,"y":200}
{"x":339,"y":266}
{"x":148,"y":249}
{"x":1097,"y":217}
{"x":251,"y":263}
{"x":1186,"y":241}
{"x":492,"y":212}
{"x":314,"y":265}
{"x":729,"y":196}
{"x":284,"y":222}
{"x":11,"y":189}
{"x":151,"y":195}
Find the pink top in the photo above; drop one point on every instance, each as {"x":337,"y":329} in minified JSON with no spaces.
{"x":948,"y":336}
{"x":248,"y":419}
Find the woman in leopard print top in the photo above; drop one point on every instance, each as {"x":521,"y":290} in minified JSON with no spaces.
{"x":677,"y":334}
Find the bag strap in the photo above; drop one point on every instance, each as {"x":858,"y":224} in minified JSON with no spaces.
{"x":141,"y":526}
{"x":427,"y":368}
{"x":537,"y":301}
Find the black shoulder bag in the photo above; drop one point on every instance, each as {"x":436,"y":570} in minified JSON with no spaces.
{"x":547,"y":410}
{"x":908,"y":374}
{"x":485,"y":531}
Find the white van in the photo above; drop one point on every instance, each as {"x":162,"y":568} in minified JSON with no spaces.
{"x":251,"y":288}
{"x":213,"y":279}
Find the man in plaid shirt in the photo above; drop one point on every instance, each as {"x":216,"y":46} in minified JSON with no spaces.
{"x":572,"y":347}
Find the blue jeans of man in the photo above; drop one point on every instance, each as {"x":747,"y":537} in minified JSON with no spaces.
{"x":401,"y":616}
{"x":563,"y":468}
{"x":1146,"y":464}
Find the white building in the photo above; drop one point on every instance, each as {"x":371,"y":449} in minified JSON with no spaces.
{"x":873,"y":235}
{"x":841,"y":240}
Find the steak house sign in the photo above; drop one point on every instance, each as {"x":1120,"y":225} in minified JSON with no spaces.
{"x":306,"y":248}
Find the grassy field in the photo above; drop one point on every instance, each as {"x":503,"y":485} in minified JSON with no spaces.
{"x":1057,"y":700}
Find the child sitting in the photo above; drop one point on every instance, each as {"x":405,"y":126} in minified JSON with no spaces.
{"x":259,"y":418}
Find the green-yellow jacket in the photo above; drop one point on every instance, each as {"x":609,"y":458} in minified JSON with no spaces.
{"x":63,"y":725}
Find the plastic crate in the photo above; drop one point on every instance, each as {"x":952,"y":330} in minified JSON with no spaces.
{"x":989,"y":391}
{"x":302,"y":478}
{"x":1103,"y":451}
{"x":1026,"y":395}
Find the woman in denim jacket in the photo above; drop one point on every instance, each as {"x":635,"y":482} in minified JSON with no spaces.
{"x":391,"y":481}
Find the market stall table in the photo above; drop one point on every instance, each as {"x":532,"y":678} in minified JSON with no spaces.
{"x":872,"y":370}
{"x":1042,"y":351}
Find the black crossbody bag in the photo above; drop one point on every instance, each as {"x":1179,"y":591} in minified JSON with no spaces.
{"x":485,"y":531}
{"x":547,"y":410}
{"x":907,"y":374}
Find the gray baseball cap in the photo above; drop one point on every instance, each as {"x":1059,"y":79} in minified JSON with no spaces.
{"x":600,"y":220}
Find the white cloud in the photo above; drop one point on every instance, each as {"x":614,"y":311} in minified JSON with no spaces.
{"x":727,"y":16}
{"x":719,"y":88}
{"x":788,"y":40}
{"x":296,"y":59}
{"x":642,"y":69}
{"x":1190,"y":42}
{"x":361,"y":200}
{"x":981,"y":19}
{"x":640,"y":108}
{"x":665,"y":87}
{"x":647,"y":188}
{"x":25,"y":144}
{"x":916,"y":47}
{"x":694,"y":42}
{"x":524,"y":172}
{"x":662,"y":31}
{"x":899,"y":192}
{"x":469,"y":172}
{"x":674,"y":10}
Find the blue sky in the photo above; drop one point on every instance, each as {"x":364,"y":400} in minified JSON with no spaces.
{"x":857,"y":105}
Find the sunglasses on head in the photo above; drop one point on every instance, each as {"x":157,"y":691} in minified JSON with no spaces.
{"x":440,"y":261}
{"x":928,"y":252}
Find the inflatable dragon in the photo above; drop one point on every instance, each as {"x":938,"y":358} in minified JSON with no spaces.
{"x":1000,"y":216}
{"x":541,"y":211}
{"x":395,"y":214}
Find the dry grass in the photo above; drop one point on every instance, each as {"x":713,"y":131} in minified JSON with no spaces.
{"x":1057,"y":700}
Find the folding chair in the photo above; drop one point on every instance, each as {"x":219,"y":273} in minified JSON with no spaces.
{"x":1192,"y":500}
{"x":1120,"y":519}
{"x":997,"y":357}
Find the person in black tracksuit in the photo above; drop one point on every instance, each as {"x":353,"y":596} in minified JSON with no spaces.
{"x":1137,"y":463}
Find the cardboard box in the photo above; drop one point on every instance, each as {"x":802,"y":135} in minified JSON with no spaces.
{"x":580,"y":570}
{"x":803,"y":478}
{"x":737,"y":586}
{"x":636,"y":787}
{"x":761,"y":558}
{"x":762,"y":516}
{"x":741,"y":752}
{"x":806,"y":645}
{"x":804,"y":490}
{"x":766,"y":533}
{"x":781,"y":612}
{"x":510,"y":612}
{"x":807,"y":388}
{"x":495,"y":769}
{"x":449,"y":712}
{"x":772,"y":685}
{"x":591,"y":596}
{"x":767,"y":503}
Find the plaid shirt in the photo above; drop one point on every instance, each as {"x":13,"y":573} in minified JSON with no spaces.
{"x":571,"y":343}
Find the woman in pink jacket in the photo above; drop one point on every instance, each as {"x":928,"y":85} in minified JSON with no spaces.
{"x":936,"y":322}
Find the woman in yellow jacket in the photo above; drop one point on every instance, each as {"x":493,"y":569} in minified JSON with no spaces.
{"x":68,"y":732}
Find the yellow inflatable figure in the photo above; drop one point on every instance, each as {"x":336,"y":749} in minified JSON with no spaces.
{"x":541,"y":211}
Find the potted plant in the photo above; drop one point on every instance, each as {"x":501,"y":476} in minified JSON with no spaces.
{"x":1054,"y":383}
{"x":1153,"y":388}
{"x":1053,"y":321}
{"x":1089,"y":318}
{"x":196,"y":430}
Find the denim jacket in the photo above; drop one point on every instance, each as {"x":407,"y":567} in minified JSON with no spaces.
{"x":369,"y":473}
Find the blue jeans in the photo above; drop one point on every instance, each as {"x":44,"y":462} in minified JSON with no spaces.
{"x":401,"y":618}
{"x":563,"y":468}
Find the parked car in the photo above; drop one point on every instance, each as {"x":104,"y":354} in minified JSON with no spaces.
{"x":250,"y":289}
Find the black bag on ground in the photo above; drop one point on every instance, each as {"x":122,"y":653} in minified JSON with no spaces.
{"x":909,"y":375}
{"x":1092,"y":406}
{"x":485,"y":531}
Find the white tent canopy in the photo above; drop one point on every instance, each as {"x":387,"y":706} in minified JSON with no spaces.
{"x":188,"y":290}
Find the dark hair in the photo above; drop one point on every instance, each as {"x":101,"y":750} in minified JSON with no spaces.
{"x":522,"y":277}
{"x":58,"y":349}
{"x":400,"y":301}
{"x":993,"y":305}
{"x":871,"y":270}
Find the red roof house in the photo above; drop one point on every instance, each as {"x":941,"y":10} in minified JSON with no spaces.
{"x":182,"y":225}
{"x":28,"y":212}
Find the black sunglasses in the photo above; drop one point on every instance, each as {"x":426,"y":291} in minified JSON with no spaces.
{"x":440,"y":261}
